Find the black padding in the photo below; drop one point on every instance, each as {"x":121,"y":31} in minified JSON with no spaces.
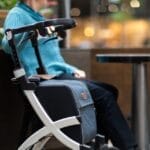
{"x":59,"y":103}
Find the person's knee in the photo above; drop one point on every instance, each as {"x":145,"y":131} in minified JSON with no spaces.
{"x":109,"y":97}
{"x":115,"y":92}
{"x":112,"y":90}
{"x":106,"y":102}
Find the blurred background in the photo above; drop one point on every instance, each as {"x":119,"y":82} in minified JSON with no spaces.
{"x":125,"y":24}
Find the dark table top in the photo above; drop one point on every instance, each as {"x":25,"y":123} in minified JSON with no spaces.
{"x":123,"y":58}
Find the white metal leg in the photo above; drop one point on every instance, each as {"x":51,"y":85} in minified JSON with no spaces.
{"x":47,"y":131}
{"x":50,"y":126}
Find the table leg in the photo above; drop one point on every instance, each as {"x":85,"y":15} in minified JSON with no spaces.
{"x":140,"y":106}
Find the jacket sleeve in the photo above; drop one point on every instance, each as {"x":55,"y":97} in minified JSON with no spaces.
{"x":68,"y":67}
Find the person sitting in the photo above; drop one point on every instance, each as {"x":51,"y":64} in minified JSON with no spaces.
{"x":110,"y":120}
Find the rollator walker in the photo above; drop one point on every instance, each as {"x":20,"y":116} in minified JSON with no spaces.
{"x":75,"y":127}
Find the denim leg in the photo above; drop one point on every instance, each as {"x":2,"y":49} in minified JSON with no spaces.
{"x":109,"y":116}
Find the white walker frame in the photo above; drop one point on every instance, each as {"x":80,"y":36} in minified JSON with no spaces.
{"x":50,"y":127}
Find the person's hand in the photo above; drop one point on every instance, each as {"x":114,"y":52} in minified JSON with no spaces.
{"x":80,"y":74}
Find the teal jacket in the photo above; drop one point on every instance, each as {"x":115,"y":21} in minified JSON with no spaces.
{"x":54,"y":63}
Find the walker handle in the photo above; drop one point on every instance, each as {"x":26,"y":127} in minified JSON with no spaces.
{"x":59,"y":24}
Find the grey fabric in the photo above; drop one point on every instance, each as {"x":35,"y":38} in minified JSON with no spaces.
{"x":84,"y":104}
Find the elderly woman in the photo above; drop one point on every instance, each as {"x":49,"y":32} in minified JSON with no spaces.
{"x":110,"y":120}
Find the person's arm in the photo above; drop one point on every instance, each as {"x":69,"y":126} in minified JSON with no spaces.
{"x":78,"y":73}
{"x":70,"y":69}
{"x":75,"y":71}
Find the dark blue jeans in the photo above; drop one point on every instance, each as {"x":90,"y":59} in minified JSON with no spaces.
{"x":110,"y":120}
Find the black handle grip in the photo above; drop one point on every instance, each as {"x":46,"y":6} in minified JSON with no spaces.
{"x":61,"y":24}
